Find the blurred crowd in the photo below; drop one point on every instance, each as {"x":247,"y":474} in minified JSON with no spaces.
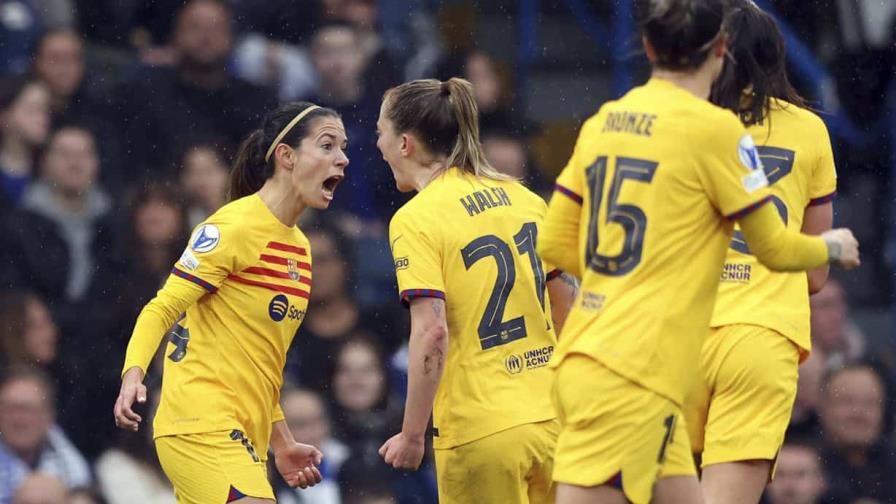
{"x":118,"y":121}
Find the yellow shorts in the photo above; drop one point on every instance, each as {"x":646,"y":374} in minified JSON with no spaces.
{"x":740,"y":407}
{"x":213,"y":467}
{"x":613,"y":431}
{"x":508,"y":467}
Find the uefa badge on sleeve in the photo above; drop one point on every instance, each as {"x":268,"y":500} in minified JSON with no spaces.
{"x":205,"y":239}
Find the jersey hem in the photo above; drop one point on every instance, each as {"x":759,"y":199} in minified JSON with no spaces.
{"x":823,"y":199}
{"x":445,"y":444}
{"x":406,"y":295}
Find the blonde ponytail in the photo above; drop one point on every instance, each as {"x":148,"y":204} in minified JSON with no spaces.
{"x":446,"y":117}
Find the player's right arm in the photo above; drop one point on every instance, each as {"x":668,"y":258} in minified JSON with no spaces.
{"x":206,"y":262}
{"x":417,"y":254}
{"x":558,"y":242}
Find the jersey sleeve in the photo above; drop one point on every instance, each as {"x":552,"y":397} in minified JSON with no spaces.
{"x":823,"y":188}
{"x":731,"y":171}
{"x":558,"y":244}
{"x":417,"y":256}
{"x":212,"y":253}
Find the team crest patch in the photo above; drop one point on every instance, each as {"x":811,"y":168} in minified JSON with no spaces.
{"x":205,"y":239}
{"x":292,"y":267}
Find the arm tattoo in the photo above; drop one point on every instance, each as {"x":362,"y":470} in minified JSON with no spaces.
{"x":437,"y":307}
{"x":571,"y":282}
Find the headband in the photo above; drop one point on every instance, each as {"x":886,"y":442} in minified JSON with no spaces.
{"x":285,"y":130}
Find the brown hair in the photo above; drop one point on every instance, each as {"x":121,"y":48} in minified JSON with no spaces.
{"x":250,"y":168}
{"x":445,"y":117}
{"x":682,"y":32}
{"x":759,"y":70}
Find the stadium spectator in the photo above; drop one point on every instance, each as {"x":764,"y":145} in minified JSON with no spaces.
{"x":835,"y":337}
{"x":40,"y":489}
{"x":798,"y":478}
{"x":859,"y":461}
{"x":28,"y":335}
{"x":166,"y":109}
{"x":130,"y":473}
{"x":368,"y":191}
{"x":59,"y":62}
{"x":333,"y":313}
{"x":154,"y":236}
{"x":203,"y":173}
{"x":24,"y":125}
{"x":506,"y":150}
{"x":364,"y":416}
{"x":62,"y":245}
{"x":307,"y":417}
{"x":382,"y":71}
{"x":30,"y":440}
{"x":61,"y":236}
{"x":489,"y":86}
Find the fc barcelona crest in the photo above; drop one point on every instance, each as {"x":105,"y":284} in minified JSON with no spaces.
{"x":293,"y":269}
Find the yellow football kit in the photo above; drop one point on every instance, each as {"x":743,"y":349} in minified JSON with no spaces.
{"x":230,"y":309}
{"x":644,"y":212}
{"x":471,"y":241}
{"x":740,"y":408}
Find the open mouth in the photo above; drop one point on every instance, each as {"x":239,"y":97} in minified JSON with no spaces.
{"x":329,"y":185}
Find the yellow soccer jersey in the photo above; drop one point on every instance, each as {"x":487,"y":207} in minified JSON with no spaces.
{"x":244,"y":280}
{"x":660,"y":176}
{"x":472,"y":242}
{"x":796,"y":152}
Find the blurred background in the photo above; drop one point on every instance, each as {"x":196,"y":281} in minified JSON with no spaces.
{"x":118,"y":120}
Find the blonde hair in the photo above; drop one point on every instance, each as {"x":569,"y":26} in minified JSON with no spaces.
{"x":444,"y":115}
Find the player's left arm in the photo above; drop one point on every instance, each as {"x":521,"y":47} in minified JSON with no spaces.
{"x":562,"y":290}
{"x":427,"y":353}
{"x":819,"y":214}
{"x":816,"y":220}
{"x":296,"y":462}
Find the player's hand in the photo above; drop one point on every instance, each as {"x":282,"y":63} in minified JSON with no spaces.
{"x":403,"y":452}
{"x":843,"y":248}
{"x":297,"y":463}
{"x":132,"y":389}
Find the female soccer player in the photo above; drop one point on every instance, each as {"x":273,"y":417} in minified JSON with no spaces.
{"x":464,"y":250}
{"x":243,"y":283}
{"x":740,"y":407}
{"x":644,"y":213}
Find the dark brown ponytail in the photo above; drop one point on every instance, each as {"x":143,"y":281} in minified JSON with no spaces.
{"x":682,"y":32}
{"x":250,"y":169}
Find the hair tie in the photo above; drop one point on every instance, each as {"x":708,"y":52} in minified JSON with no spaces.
{"x":445,"y":89}
{"x":285,"y":130}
